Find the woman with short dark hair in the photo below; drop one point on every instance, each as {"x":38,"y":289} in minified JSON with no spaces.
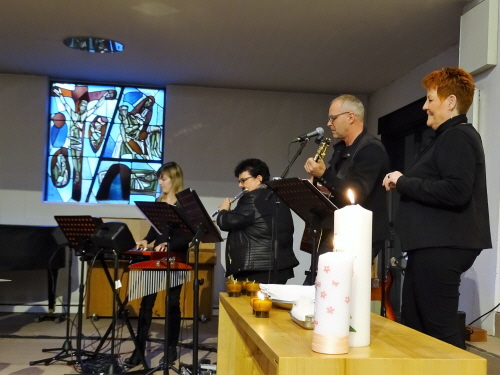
{"x":251,"y":225}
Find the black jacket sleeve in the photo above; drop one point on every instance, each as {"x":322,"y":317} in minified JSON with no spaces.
{"x":241,"y":217}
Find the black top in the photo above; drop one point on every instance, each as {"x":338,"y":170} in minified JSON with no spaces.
{"x":444,"y":201}
{"x":249,"y":244}
{"x":360,"y":167}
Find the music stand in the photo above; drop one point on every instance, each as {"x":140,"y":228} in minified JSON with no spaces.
{"x":77,"y":230}
{"x":167,"y":220}
{"x":207,"y":232}
{"x":310,"y":205}
{"x":113,"y":238}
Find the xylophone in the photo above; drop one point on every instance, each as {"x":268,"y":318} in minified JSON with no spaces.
{"x":150,"y":276}
{"x":146,"y":254}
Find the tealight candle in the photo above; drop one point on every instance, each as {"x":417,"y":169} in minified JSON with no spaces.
{"x":252,"y":299}
{"x":244,"y":285}
{"x":260,"y":295}
{"x":262,"y":306}
{"x":252,"y":288}
{"x":233,"y":288}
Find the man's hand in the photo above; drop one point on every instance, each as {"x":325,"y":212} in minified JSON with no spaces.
{"x":315,"y":169}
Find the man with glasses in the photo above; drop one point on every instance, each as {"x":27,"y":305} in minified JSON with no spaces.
{"x":359,"y":162}
{"x":256,"y":226}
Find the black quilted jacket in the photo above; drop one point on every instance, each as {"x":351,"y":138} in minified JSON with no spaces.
{"x":250,"y":226}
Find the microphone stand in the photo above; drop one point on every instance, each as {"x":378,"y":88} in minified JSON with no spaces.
{"x":303,"y":144}
{"x":299,"y":151}
{"x":196,"y":294}
{"x":272,"y":276}
{"x":283,"y":175}
{"x":275,"y":242}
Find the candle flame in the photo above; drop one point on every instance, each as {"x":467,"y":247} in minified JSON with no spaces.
{"x":261,"y":295}
{"x":350,"y":194}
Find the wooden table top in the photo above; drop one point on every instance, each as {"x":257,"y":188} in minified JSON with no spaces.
{"x":394,"y":348}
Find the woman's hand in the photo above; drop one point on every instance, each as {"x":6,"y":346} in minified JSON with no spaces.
{"x":142,"y":244}
{"x":225,"y":205}
{"x":161,"y":247}
{"x":391,"y":179}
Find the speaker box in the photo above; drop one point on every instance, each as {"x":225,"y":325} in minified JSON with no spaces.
{"x":479,"y":37}
{"x":114,"y":236}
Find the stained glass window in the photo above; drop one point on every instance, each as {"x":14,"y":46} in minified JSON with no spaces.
{"x":105,"y":143}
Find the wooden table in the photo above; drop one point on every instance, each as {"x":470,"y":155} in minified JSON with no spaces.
{"x":277,"y":345}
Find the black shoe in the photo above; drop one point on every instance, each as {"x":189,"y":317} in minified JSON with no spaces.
{"x":171,"y":355}
{"x":133,"y":360}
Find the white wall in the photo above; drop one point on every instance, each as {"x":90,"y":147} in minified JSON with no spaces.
{"x":479,"y":292}
{"x":485,"y":273}
{"x":208,"y":132}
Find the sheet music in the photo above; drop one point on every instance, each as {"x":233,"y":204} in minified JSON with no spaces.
{"x":162,"y":216}
{"x":198,"y":216}
{"x":305,"y":200}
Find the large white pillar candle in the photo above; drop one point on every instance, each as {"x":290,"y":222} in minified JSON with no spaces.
{"x":353,"y":236}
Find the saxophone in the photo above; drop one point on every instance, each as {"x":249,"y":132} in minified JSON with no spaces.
{"x":320,"y":154}
{"x":306,"y":244}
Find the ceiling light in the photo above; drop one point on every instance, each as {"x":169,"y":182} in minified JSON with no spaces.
{"x":93,"y":44}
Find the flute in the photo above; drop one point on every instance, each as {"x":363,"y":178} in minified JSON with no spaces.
{"x":232,"y":200}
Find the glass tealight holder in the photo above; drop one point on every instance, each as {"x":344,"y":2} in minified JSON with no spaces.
{"x":262,"y":306}
{"x":252,"y":288}
{"x":233,"y":288}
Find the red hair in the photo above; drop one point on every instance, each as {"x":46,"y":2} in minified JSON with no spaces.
{"x":452,"y":81}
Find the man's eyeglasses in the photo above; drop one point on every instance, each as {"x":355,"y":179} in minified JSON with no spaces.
{"x":333,"y":118}
{"x":243,"y":180}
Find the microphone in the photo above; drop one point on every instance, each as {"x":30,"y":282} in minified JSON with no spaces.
{"x":315,"y":133}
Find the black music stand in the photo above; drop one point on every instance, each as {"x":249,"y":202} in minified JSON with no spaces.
{"x":113,"y":238}
{"x":167,"y":220}
{"x":207,"y":232}
{"x":77,"y":230}
{"x":310,"y":205}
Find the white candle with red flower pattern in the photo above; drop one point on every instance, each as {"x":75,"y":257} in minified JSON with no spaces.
{"x":332,"y":303}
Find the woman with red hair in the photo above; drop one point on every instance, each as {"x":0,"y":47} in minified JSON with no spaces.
{"x":442,"y":218}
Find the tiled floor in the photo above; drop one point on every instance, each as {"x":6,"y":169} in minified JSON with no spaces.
{"x":489,"y":350}
{"x":22,"y":341}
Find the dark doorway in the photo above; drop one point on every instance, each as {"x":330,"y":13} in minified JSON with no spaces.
{"x":404,"y":134}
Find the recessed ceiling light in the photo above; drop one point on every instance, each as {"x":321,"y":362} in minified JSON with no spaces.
{"x":93,"y":44}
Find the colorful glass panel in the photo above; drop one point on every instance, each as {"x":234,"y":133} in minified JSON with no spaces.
{"x":105,"y":143}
